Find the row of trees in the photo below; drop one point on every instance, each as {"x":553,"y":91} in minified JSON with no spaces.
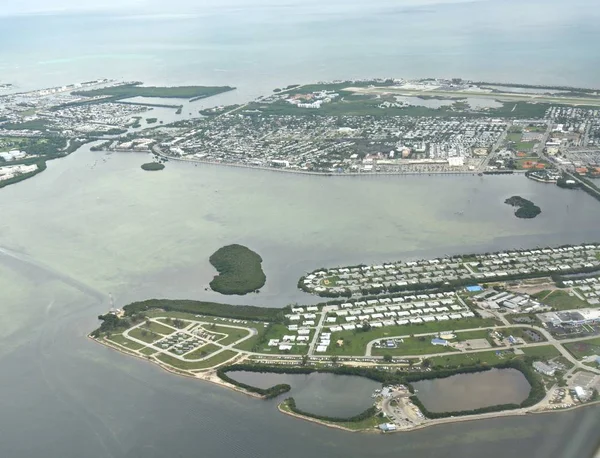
{"x":240,"y":312}
{"x":536,"y":393}
{"x":370,"y":412}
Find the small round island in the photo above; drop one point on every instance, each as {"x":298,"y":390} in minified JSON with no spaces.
{"x":152,"y":166}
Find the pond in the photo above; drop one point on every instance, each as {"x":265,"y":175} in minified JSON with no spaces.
{"x":320,"y":394}
{"x":473,"y":391}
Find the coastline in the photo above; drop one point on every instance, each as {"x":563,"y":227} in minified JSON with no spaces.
{"x":306,"y":172}
{"x":435,"y":422}
{"x":211,"y":377}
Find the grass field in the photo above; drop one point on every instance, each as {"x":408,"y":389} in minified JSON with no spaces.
{"x":124,"y":341}
{"x":525,"y":146}
{"x":462,"y":336}
{"x":203,"y":351}
{"x":544,"y":351}
{"x":560,"y":300}
{"x":467,"y":359}
{"x":586,"y":348}
{"x":148,"y":351}
{"x":144,"y":335}
{"x":355,"y":342}
{"x":412,"y":346}
{"x":277,"y":331}
{"x":189,"y":366}
{"x":159,"y":328}
{"x":232,"y":334}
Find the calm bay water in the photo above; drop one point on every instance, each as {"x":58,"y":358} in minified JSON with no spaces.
{"x":473,"y":391}
{"x":95,"y":223}
{"x":320,"y":394}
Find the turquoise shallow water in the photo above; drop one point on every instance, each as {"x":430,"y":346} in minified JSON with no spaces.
{"x":258,"y":48}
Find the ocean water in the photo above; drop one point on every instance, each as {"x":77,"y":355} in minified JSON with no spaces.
{"x":95,"y":223}
{"x":257,"y":46}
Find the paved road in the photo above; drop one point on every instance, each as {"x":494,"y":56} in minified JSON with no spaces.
{"x":223,"y":348}
{"x":550,"y":341}
{"x":311,"y":348}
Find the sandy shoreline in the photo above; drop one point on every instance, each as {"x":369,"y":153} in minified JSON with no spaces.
{"x":210,"y":375}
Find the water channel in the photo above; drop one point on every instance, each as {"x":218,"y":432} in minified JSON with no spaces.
{"x":473,"y":391}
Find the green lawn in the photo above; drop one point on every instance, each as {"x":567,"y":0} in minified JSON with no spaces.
{"x":462,"y":336}
{"x":467,"y":359}
{"x":249,"y":344}
{"x":561,"y":300}
{"x":355,"y":342}
{"x":210,"y":362}
{"x":584,"y":348}
{"x":232,"y":334}
{"x":203,"y":351}
{"x":525,"y":146}
{"x":124,"y":341}
{"x":514,"y":137}
{"x":144,"y":335}
{"x":544,"y":351}
{"x":147,"y":351}
{"x":277,"y":331}
{"x":159,"y":328}
{"x":412,"y":346}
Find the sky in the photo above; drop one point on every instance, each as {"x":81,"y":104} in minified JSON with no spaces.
{"x":12,"y":7}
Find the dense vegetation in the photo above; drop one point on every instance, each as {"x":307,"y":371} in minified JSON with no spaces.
{"x":153,"y":166}
{"x":109,"y":324}
{"x":268,"y":393}
{"x":526,"y":208}
{"x":291,"y":403}
{"x":239,"y":268}
{"x":240,"y":312}
{"x":125,"y":91}
{"x":536,"y":394}
{"x":41,"y":167}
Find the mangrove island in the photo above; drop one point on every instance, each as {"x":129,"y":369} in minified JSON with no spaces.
{"x":152,"y":166}
{"x":421,"y":330}
{"x":239,"y":268}
{"x":526,"y":208}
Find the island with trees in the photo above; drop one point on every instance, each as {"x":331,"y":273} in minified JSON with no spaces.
{"x":399,"y":338}
{"x":129,"y":90}
{"x":153,"y":166}
{"x":240,"y":270}
{"x":525,"y":208}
